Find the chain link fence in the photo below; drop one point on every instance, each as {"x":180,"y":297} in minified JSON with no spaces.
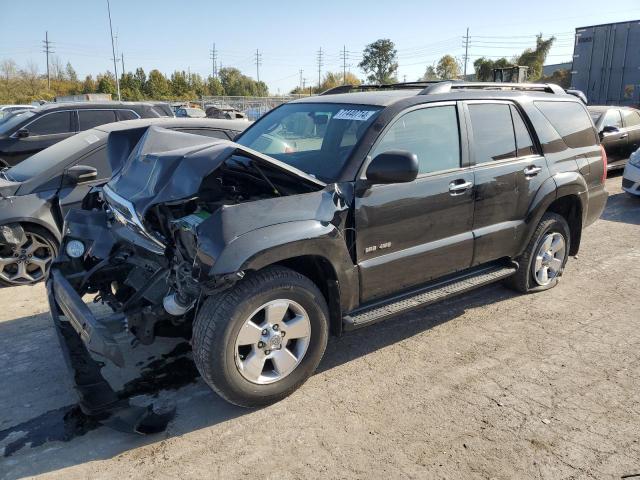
{"x":252,"y":107}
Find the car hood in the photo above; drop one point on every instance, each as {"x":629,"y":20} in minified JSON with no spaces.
{"x":166,"y":166}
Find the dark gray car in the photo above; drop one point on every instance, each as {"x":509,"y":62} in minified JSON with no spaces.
{"x":619,"y":130}
{"x":36,"y":194}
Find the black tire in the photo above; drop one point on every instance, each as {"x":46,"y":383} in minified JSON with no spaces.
{"x":47,"y":238}
{"x":221,"y":316}
{"x":523,"y":280}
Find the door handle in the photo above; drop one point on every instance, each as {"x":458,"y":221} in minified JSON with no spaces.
{"x":624,"y":135}
{"x":459,"y":186}
{"x":532,"y":171}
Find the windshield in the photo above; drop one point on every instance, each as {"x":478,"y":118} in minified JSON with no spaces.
{"x":11,"y":120}
{"x":57,"y":155}
{"x":316,"y":138}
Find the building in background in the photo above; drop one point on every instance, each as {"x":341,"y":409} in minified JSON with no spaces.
{"x":606,"y":63}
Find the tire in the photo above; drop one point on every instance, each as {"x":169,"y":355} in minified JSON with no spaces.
{"x":221,"y":357}
{"x":13,"y":274}
{"x":525,"y":279}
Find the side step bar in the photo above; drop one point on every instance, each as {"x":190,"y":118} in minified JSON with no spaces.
{"x":426,"y":296}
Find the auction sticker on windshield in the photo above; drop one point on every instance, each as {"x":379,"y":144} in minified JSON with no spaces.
{"x":359,"y":115}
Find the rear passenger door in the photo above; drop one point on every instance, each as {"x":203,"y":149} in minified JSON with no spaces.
{"x":409,"y":233}
{"x":94,"y":118}
{"x":508,"y":170}
{"x":631,"y":122}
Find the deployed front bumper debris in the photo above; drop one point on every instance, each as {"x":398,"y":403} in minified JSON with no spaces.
{"x":96,"y":397}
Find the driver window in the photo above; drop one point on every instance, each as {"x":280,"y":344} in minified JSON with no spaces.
{"x":431,"y":133}
{"x":612,"y":119}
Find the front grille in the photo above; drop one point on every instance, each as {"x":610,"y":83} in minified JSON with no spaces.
{"x":626,"y":183}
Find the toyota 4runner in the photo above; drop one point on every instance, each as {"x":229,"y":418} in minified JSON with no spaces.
{"x":328,"y":214}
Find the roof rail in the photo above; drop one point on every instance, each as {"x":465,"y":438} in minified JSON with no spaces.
{"x":447,"y":86}
{"x":381,"y":86}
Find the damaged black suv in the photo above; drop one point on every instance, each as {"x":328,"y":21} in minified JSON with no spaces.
{"x":328,"y":214}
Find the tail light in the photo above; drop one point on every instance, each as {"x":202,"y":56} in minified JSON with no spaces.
{"x":604,"y":163}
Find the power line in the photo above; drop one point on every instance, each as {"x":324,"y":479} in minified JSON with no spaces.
{"x":47,"y":50}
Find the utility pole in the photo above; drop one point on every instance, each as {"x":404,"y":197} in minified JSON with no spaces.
{"x":258,"y":63}
{"x":301,"y":88}
{"x":113,"y":49}
{"x":212,"y":56}
{"x":344,"y":64}
{"x":48,"y":50}
{"x":466,"y":53}
{"x":304,"y":84}
{"x":320,"y":64}
{"x":122,"y":59}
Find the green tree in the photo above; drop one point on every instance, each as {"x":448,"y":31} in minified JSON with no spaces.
{"x":235,"y":83}
{"x":535,"y":58}
{"x":140,"y":78}
{"x":214,"y":86}
{"x":196,"y":85}
{"x":560,"y":77}
{"x":71,"y":73}
{"x":106,"y":83}
{"x":129,"y":88}
{"x":89,"y":85}
{"x":179,"y":85}
{"x":157,"y":86}
{"x":448,"y":68}
{"x":379,"y":61}
{"x":430,"y":74}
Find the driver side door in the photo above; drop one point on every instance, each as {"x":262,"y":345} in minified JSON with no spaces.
{"x":410,"y":233}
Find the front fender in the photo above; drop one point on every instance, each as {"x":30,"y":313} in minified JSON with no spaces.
{"x":32,"y":209}
{"x":268,"y":245}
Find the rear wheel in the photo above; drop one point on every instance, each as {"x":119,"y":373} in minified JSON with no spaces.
{"x":257,"y":342}
{"x":542,"y":263}
{"x":29,"y":262}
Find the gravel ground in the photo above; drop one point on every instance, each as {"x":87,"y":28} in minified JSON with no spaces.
{"x":488,"y":385}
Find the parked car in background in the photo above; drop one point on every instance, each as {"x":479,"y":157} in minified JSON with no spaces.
{"x":619,"y":130}
{"x":36,"y":194}
{"x":391,"y":199}
{"x":228,"y":113}
{"x":190,"y":112}
{"x":24,"y":133}
{"x":7,"y":109}
{"x":631,"y":175}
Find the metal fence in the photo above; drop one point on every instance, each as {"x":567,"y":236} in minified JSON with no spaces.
{"x":253,"y":107}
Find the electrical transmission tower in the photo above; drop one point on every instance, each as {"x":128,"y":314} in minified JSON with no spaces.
{"x":344,"y":64}
{"x":212,"y":57}
{"x":466,"y":53}
{"x":48,"y":49}
{"x":258,"y":63}
{"x":320,"y":64}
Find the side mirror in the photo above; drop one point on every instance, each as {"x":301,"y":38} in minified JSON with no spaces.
{"x":394,"y":166}
{"x":22,"y":133}
{"x":80,"y":174}
{"x":610,"y":129}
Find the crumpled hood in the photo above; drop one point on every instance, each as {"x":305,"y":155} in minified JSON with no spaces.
{"x":8,"y":188}
{"x":165,"y":166}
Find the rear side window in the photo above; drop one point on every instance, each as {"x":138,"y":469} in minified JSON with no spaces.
{"x":524,"y":144}
{"x":612,"y":119}
{"x":94,"y":118}
{"x":493,"y":136}
{"x":571,"y":121}
{"x":51,"y":124}
{"x":431,"y":133}
{"x":126,"y":115}
{"x":631,"y":118}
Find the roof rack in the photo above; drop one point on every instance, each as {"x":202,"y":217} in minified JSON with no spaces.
{"x":447,"y":86}
{"x":381,"y":86}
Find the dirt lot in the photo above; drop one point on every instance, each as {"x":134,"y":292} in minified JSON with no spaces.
{"x":488,"y":385}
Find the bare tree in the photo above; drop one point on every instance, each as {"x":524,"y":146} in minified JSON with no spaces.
{"x":58,"y":71}
{"x":8,"y":70}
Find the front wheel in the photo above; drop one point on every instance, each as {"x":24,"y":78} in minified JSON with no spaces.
{"x":257,"y":342}
{"x":543,"y":261}
{"x":28,"y":262}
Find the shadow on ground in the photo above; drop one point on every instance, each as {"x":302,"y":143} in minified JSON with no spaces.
{"x":70,"y":438}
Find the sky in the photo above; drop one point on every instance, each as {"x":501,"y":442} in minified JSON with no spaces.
{"x":171,"y":35}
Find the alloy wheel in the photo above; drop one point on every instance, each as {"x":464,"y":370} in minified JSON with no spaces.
{"x":549,"y":258}
{"x":272,"y":342}
{"x":28,"y":262}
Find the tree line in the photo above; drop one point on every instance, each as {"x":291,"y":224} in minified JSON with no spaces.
{"x":27,"y":84}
